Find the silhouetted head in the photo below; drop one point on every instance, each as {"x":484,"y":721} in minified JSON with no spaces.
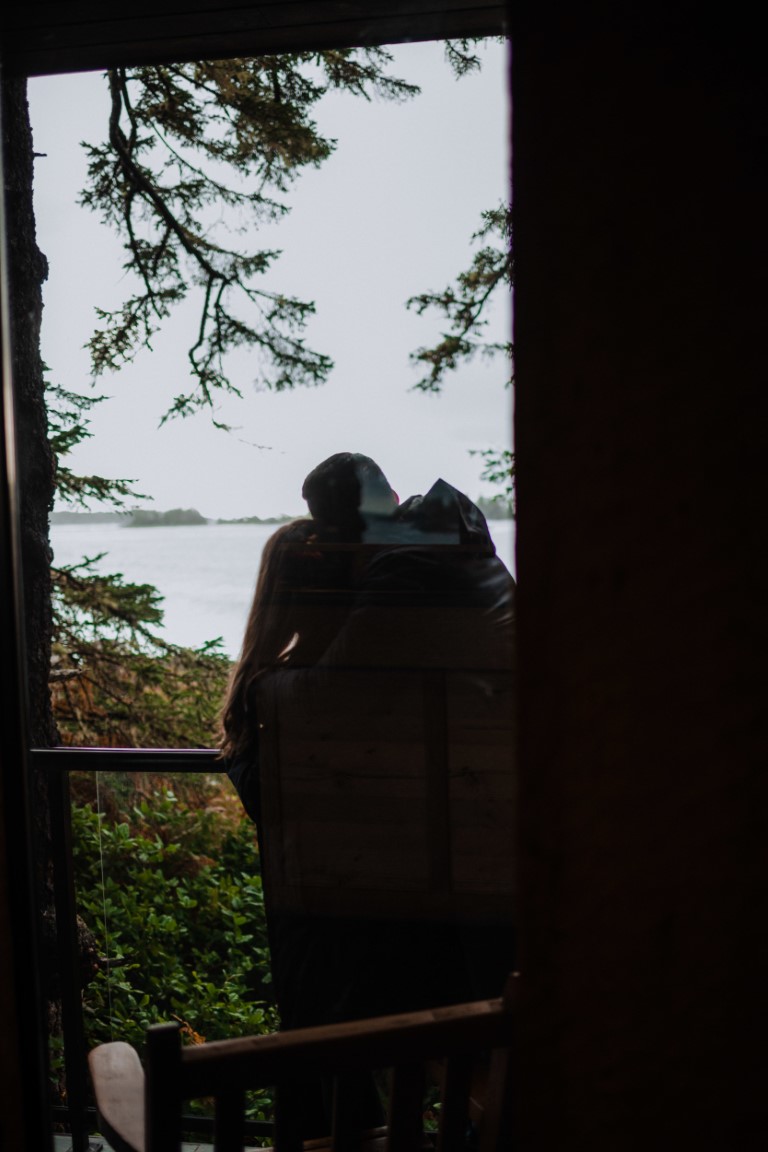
{"x":346,"y":491}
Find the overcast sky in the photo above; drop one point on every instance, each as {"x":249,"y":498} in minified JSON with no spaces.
{"x":388,"y":216}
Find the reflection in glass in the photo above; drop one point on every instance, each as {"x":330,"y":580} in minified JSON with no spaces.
{"x":369,"y":732}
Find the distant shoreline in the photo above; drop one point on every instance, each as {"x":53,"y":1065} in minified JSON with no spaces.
{"x":191,"y":518}
{"x":176,"y":517}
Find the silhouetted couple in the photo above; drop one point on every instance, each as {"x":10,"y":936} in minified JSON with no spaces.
{"x":351,"y":601}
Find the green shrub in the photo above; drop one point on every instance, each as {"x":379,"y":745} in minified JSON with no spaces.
{"x":174,"y":897}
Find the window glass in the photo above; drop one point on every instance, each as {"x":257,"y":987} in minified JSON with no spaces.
{"x":300,"y":552}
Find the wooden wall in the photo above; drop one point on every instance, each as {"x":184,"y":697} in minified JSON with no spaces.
{"x":40,"y":37}
{"x":640,"y":327}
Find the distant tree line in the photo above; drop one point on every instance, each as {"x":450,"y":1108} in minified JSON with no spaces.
{"x":496,"y":507}
{"x":148,"y":518}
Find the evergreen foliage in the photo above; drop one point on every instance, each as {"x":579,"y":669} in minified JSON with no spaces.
{"x":115,"y":681}
{"x":68,"y":426}
{"x":465,"y":306}
{"x":192,"y":151}
{"x":462,"y":56}
{"x":499,"y":469}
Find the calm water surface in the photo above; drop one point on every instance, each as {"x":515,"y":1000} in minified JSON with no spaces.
{"x":206,"y":574}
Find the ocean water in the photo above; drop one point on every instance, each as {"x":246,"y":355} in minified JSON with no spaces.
{"x":206,"y":574}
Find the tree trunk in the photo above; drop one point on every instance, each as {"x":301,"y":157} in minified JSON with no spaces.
{"x":28,"y":269}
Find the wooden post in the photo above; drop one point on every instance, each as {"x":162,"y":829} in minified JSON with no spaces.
{"x":641,"y":415}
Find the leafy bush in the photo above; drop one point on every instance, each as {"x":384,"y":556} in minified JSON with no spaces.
{"x":174,"y":895}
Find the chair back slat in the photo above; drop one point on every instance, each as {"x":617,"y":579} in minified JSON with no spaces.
{"x":229,"y":1121}
{"x":286,"y":1125}
{"x":163,"y":1091}
{"x":454,"y":1103}
{"x":347,"y":1123}
{"x":498,"y":1119}
{"x":406,"y":1094}
{"x":497,"y":1128}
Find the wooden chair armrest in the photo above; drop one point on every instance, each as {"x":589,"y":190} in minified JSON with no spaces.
{"x":118,"y":1085}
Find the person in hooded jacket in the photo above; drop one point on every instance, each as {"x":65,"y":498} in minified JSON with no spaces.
{"x":409,"y":585}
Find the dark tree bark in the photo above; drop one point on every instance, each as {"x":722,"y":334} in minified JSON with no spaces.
{"x":28,"y":269}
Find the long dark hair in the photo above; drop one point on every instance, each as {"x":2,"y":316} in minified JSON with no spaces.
{"x":275,"y":634}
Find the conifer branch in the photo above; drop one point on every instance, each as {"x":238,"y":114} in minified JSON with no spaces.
{"x":465,"y":304}
{"x":180,"y":139}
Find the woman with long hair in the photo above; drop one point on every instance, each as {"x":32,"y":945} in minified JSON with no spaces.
{"x":275,"y":634}
{"x":300,"y":603}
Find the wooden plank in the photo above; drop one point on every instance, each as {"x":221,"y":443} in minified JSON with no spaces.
{"x":287,"y":1128}
{"x":454,"y":1101}
{"x":457,"y":907}
{"x":362,"y":805}
{"x":270,"y":13}
{"x":331,"y":760}
{"x":348,"y":860}
{"x":412,"y":636}
{"x":390,"y":783}
{"x":406,"y":1129}
{"x":49,"y":38}
{"x":229,"y":1120}
{"x":252,"y":1061}
{"x":164,"y":1088}
{"x":437,"y":831}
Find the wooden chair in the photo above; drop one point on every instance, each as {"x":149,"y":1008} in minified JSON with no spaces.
{"x":388,"y":800}
{"x":141,"y":1112}
{"x":390,"y":793}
